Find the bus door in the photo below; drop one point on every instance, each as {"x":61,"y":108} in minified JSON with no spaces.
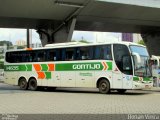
{"x":127,"y":72}
{"x":117,"y":77}
{"x":122,"y":68}
{"x":122,"y":80}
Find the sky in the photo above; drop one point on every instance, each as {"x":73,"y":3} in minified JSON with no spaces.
{"x":17,"y":34}
{"x":20,"y":34}
{"x":96,"y":36}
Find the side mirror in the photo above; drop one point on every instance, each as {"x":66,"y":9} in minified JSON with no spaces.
{"x":155,"y":60}
{"x":127,"y":64}
{"x":137,"y":56}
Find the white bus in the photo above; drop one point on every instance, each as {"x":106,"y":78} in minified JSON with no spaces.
{"x":110,"y":66}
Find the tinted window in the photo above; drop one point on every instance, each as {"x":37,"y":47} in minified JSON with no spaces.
{"x":69,"y":54}
{"x":26,"y":56}
{"x":41,"y":56}
{"x":15,"y":57}
{"x":61,"y":54}
{"x":55,"y":54}
{"x":51,"y":55}
{"x":84,"y":53}
{"x":103,"y":52}
{"x":121,"y":51}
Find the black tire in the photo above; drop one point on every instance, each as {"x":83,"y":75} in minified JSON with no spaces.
{"x":121,"y":91}
{"x":23,"y":84}
{"x":104,"y":86}
{"x":33,"y":84}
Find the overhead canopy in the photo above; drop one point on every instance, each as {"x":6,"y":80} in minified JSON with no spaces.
{"x":92,"y":15}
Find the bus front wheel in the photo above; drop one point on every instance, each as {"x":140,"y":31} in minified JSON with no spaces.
{"x":33,"y":84}
{"x":23,"y":84}
{"x":104,"y":86}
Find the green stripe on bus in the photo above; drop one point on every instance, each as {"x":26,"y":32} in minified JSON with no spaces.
{"x":136,"y":78}
{"x":82,"y":66}
{"x":64,"y":66}
{"x":29,"y":67}
{"x":147,"y":79}
{"x":109,"y":65}
{"x":144,"y":78}
{"x":18,"y":67}
{"x":44,"y":67}
{"x":48,"y":75}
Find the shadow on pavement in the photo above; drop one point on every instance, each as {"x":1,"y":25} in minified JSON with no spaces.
{"x":5,"y":88}
{"x":93,"y":91}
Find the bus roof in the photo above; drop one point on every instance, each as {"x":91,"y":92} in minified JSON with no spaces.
{"x":75,"y":44}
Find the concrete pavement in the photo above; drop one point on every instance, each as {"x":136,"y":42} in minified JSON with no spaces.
{"x":77,"y":101}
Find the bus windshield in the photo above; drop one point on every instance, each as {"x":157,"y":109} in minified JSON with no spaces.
{"x":142,"y":69}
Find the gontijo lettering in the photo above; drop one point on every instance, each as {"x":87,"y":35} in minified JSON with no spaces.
{"x":86,"y":66}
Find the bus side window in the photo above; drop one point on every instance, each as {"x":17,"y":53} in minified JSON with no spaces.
{"x":63,"y":55}
{"x":51,"y":56}
{"x":97,"y":52}
{"x":18,"y":57}
{"x":25,"y":56}
{"x":107,"y":52}
{"x":86,"y":53}
{"x":69,"y":54}
{"x":103,"y":52}
{"x":41,"y":55}
{"x":33,"y":57}
{"x":58,"y":54}
{"x":77,"y":54}
{"x":10,"y":57}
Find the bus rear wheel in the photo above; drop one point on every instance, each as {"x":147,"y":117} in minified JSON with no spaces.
{"x":104,"y":86}
{"x":23,"y":84}
{"x":33,"y":84}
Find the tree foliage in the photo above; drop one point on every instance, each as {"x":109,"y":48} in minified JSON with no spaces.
{"x":84,"y":41}
{"x":7,"y":43}
{"x":141,"y":42}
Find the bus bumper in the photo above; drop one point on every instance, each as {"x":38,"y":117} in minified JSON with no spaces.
{"x":140,"y":85}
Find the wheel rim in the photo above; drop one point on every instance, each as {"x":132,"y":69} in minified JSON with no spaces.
{"x":103,"y":86}
{"x":23,"y":84}
{"x":32,"y":84}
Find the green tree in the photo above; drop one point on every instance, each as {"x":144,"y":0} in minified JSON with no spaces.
{"x":84,"y":41}
{"x":21,"y":47}
{"x":4,"y":42}
{"x":141,"y":42}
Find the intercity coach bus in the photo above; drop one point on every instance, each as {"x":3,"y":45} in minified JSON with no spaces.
{"x":108,"y":66}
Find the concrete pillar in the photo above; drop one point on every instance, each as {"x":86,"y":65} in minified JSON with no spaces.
{"x":61,"y":33}
{"x":71,"y":30}
{"x":29,"y":38}
{"x":152,"y":41}
{"x":45,"y":36}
